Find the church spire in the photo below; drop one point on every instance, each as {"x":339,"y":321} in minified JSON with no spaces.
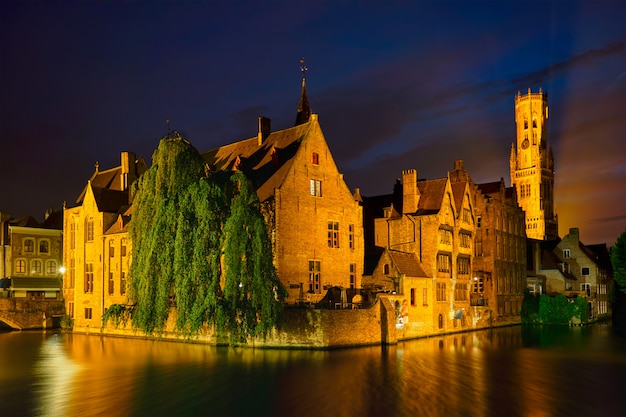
{"x":304,"y":111}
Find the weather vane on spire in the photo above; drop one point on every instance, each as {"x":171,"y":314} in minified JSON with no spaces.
{"x":303,"y":68}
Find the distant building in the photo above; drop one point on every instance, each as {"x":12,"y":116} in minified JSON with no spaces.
{"x":532,"y":166}
{"x":568,"y":267}
{"x":31,"y":256}
{"x":97,"y":248}
{"x":314,"y":221}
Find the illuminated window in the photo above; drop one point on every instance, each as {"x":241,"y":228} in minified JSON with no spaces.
{"x":443,"y":262}
{"x":89,"y":230}
{"x":88,"y":278}
{"x":123,"y":283}
{"x":51,"y":267}
{"x":35,"y":267}
{"x":463,"y":265}
{"x":111,"y":283}
{"x":315,"y":188}
{"x":352,"y":275}
{"x":315,"y":277}
{"x":351,"y":236}
{"x":441,"y":291}
{"x":478,"y":286}
{"x":20,"y":266}
{"x":29,"y":245}
{"x":333,"y":234}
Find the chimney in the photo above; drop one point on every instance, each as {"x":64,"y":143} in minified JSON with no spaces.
{"x":410,"y":194}
{"x":129,"y":172}
{"x":264,"y":130}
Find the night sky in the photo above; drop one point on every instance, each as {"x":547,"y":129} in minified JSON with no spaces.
{"x":396,"y":85}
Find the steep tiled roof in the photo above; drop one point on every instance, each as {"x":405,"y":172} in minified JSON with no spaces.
{"x":26,"y":221}
{"x":489,"y":187}
{"x":267,"y":164}
{"x":407,"y":264}
{"x":431,"y":195}
{"x":458,"y":190}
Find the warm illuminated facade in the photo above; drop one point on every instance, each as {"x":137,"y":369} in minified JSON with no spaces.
{"x":31,"y":257}
{"x":97,"y":248}
{"x":434,"y":221}
{"x":532,"y":166}
{"x":315,"y":222}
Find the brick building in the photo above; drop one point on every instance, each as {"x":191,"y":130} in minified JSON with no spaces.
{"x":314,"y":221}
{"x":97,"y":249}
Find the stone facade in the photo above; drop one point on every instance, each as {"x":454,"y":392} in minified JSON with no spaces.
{"x":97,"y":249}
{"x":314,"y":221}
{"x":532,"y":166}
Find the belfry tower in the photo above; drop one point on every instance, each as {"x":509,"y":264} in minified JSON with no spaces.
{"x":532,"y":166}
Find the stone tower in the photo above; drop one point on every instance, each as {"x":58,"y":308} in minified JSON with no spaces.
{"x":532,"y":166}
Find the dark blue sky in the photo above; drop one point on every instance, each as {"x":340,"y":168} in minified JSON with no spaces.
{"x":396,"y":85}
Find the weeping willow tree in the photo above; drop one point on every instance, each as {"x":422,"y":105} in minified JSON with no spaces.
{"x":252,"y":292}
{"x":200,"y":245}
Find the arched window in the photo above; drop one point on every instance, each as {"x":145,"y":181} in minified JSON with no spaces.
{"x":20,"y":266}
{"x":51,"y":267}
{"x":44,"y":246}
{"x":35,"y":266}
{"x":440,"y":321}
{"x":386,"y":269}
{"x":29,"y":245}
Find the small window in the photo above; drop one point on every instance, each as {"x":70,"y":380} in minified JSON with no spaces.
{"x":315,"y":277}
{"x":316,"y":188}
{"x":88,"y":313}
{"x":29,"y":245}
{"x":352,"y":275}
{"x":584,"y":272}
{"x":111,"y":284}
{"x":479,"y":222}
{"x":123,"y":283}
{"x":51,"y":267}
{"x":44,"y":246}
{"x":425,"y":296}
{"x":566,"y":253}
{"x":315,"y":158}
{"x":35,"y":267}
{"x":351,"y":236}
{"x":333,"y":234}
{"x":89,"y":230}
{"x":386,"y":269}
{"x":412,"y":296}
{"x":123,"y":248}
{"x":20,"y":266}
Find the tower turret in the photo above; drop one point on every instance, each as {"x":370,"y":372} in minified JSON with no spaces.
{"x":532,"y":165}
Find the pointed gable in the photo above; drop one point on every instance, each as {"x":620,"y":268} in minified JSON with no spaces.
{"x":407,"y":264}
{"x":266,"y":164}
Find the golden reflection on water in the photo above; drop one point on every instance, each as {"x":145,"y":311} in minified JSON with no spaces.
{"x":486,"y":373}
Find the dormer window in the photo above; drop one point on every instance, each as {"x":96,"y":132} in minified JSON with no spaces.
{"x":315,"y":158}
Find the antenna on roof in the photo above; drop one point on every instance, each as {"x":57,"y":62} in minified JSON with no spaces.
{"x":303,"y":68}
{"x":168,"y":127}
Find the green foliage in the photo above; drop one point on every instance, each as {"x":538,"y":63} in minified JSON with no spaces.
{"x":545,"y":309}
{"x":618,"y":261}
{"x":252,"y":293}
{"x":196,"y":238}
{"x":530,"y":308}
{"x":119,"y":313}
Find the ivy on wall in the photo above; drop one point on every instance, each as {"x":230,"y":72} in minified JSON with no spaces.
{"x":200,"y":245}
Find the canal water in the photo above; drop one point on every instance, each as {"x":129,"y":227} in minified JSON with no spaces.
{"x":512,"y":371}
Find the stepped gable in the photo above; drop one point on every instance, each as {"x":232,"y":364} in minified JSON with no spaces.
{"x":431,"y":192}
{"x":407,"y":264}
{"x":265,"y":164}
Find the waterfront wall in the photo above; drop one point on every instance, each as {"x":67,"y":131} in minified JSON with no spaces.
{"x":308,"y":328}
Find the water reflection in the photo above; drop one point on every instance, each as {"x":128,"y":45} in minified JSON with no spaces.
{"x":513,"y":371}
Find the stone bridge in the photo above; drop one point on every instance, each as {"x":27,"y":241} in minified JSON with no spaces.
{"x":24,"y":314}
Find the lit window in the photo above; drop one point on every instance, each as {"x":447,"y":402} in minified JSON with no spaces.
{"x":20,"y":266}
{"x":478,"y":285}
{"x":333,"y":234}
{"x":315,"y":277}
{"x":316,"y":188}
{"x":89,"y":278}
